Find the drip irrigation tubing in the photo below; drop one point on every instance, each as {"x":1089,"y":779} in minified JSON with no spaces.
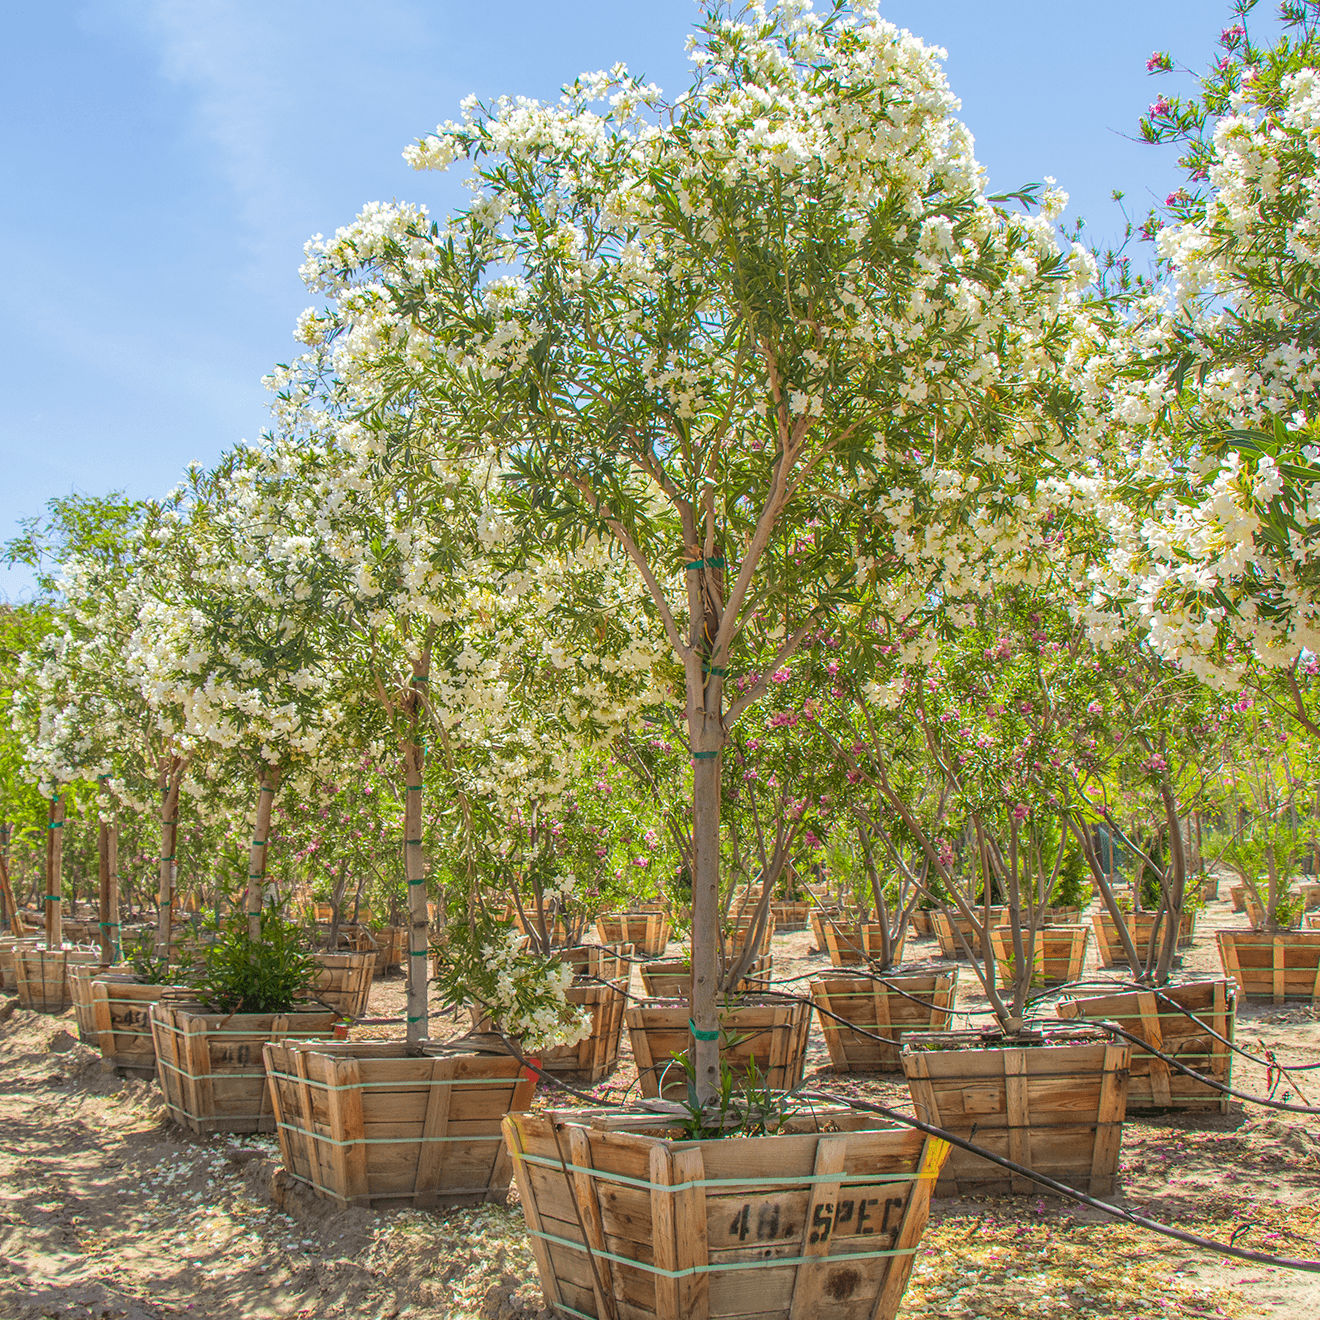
{"x":1042,"y":1180}
{"x":1070,"y":1193}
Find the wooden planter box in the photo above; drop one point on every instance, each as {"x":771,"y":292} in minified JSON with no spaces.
{"x":9,"y":944}
{"x":850,"y":945}
{"x":1310,"y":895}
{"x":1061,"y":916}
{"x":947,"y":928}
{"x":1057,"y":1108}
{"x":323,"y":912}
{"x":601,"y":962}
{"x":79,"y":976}
{"x":1058,"y":953}
{"x":647,"y":932}
{"x":671,"y":979}
{"x":1139,"y":924}
{"x":391,"y":1125}
{"x":1153,"y":1084}
{"x":771,"y":1034}
{"x":117,"y":1008}
{"x":738,"y":929}
{"x":42,"y":975}
{"x":597,"y":1055}
{"x":819,"y":919}
{"x":921,"y":922}
{"x":209,"y":1064}
{"x":885,"y":1008}
{"x":628,"y":1221}
{"x":345,"y":982}
{"x":1280,"y":966}
{"x":391,"y":948}
{"x":790,"y":916}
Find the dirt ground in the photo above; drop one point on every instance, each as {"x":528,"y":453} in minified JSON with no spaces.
{"x":108,"y":1211}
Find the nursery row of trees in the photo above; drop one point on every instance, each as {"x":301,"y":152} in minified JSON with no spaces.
{"x":733,"y":478}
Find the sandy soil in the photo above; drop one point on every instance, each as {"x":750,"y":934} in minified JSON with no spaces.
{"x":107,"y":1210}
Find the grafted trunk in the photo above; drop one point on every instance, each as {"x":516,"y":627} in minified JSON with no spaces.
{"x":267,"y":783}
{"x":54,"y":871}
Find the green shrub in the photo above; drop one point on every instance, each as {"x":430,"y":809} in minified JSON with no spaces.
{"x":266,"y":975}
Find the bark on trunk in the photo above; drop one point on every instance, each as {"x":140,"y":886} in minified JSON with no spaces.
{"x":112,"y":904}
{"x":16,"y":926}
{"x":267,"y":783}
{"x":413,"y":867}
{"x":103,"y":894}
{"x":54,"y":872}
{"x":704,"y":1007}
{"x":170,"y":779}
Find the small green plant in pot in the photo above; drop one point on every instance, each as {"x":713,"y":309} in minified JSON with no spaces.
{"x":147,"y":967}
{"x":265,"y":975}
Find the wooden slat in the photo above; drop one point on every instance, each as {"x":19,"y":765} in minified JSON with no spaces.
{"x":1109,"y":1120}
{"x":663,"y":1240}
{"x":588,"y":1207}
{"x":1018,"y":1116}
{"x":807,"y":1288}
{"x":690,"y":1233}
{"x":344,"y":1100}
{"x":201,"y":1086}
{"x":1154,"y":1037}
{"x":514,"y":1137}
{"x":435,"y":1127}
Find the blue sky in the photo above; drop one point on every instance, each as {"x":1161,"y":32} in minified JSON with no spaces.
{"x":165,"y":160}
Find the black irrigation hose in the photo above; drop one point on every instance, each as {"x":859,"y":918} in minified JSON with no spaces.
{"x":1208,"y":1081}
{"x":1062,"y":1189}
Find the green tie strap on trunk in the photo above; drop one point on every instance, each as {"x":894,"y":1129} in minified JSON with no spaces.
{"x":52,"y":898}
{"x":718,"y":670}
{"x":702,"y":1035}
{"x":417,"y":882}
{"x":256,"y":843}
{"x":714,"y":561}
{"x":55,"y":825}
{"x":704,"y":756}
{"x":418,"y":953}
{"x":414,"y":788}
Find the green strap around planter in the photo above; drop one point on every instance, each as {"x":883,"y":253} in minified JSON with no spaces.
{"x":720,"y":1266}
{"x":702,"y":1035}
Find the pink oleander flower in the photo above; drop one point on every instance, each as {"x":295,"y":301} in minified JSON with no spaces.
{"x":1021,"y":811}
{"x":1160,"y":108}
{"x":1095,"y":708}
{"x":812,"y":840}
{"x":832,"y":668}
{"x":1159,"y":62}
{"x":781,"y":675}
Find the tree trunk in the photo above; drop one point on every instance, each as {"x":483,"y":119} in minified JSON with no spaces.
{"x":171,"y":777}
{"x":112,"y":898}
{"x":103,"y":904}
{"x":267,"y":783}
{"x":6,"y":889}
{"x":413,"y":866}
{"x":54,"y":872}
{"x":703,"y":1006}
